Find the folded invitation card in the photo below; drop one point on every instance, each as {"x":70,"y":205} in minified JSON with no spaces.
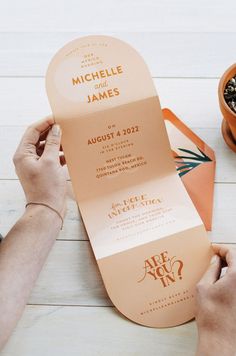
{"x":148,"y":239}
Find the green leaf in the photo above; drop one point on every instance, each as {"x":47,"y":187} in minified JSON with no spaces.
{"x":181,"y":174}
{"x":194,"y":156}
{"x":190,"y":165}
{"x":187,"y":166}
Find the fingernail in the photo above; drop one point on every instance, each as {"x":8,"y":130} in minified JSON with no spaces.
{"x":56,"y":130}
{"x":213,"y":259}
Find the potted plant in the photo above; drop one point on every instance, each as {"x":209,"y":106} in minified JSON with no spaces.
{"x":227,"y":101}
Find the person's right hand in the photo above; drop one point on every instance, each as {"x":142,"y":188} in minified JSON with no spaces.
{"x":216,"y":305}
{"x":39,"y":165}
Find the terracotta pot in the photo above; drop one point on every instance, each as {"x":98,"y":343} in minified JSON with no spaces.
{"x":229,"y":122}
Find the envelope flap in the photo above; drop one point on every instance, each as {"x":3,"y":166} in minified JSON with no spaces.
{"x":171,"y":117}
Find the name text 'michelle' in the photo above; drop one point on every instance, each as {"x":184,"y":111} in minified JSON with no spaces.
{"x":101,"y":74}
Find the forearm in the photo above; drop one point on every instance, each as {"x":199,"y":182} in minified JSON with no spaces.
{"x":22,"y":255}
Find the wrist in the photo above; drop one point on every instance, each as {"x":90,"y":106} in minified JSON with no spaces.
{"x":44,"y":215}
{"x":56,"y":202}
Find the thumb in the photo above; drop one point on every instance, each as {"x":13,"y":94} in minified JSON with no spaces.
{"x":213,"y":272}
{"x":53,"y":141}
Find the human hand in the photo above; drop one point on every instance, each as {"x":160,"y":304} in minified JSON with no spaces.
{"x":39,"y":165}
{"x":216,"y":305}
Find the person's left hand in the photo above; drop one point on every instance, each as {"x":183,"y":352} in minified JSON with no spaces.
{"x":38,"y":164}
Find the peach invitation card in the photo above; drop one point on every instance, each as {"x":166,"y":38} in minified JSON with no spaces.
{"x":148,"y":239}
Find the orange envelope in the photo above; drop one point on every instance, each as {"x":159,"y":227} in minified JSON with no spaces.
{"x":195,"y":163}
{"x":148,"y":240}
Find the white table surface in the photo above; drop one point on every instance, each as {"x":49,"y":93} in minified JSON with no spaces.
{"x":187,"y":46}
